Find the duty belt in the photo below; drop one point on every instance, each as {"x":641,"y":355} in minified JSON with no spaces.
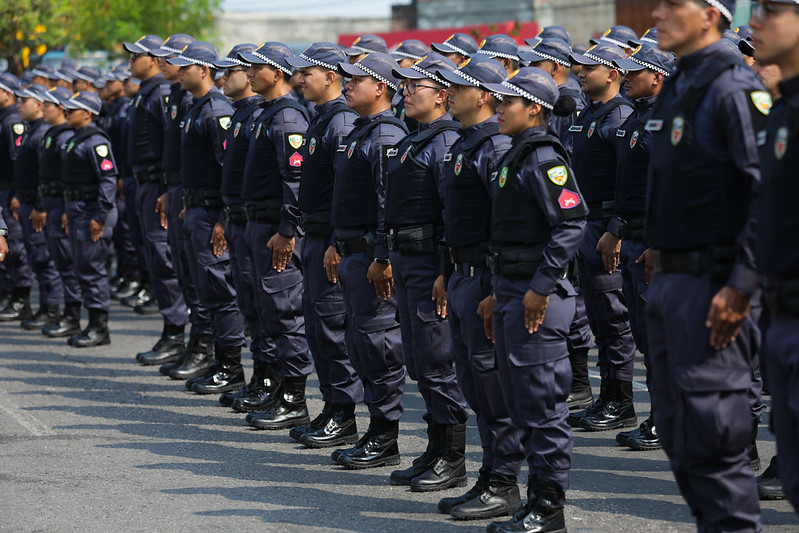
{"x":364,"y":243}
{"x":149,"y":174}
{"x":236,"y":214}
{"x":601,"y":211}
{"x":86,"y":193}
{"x":51,"y":189}
{"x":468,"y":254}
{"x":207,"y":199}
{"x":632,"y":230}
{"x":265,"y":211}
{"x":516,"y":261}
{"x":317,"y":224}
{"x":28,"y":196}
{"x":421,"y":239}
{"x":172,"y":178}
{"x":714,"y":261}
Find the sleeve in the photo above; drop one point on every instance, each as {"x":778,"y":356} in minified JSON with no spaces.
{"x":2,"y":220}
{"x":383,"y":138}
{"x":217,"y":130}
{"x":615,"y":121}
{"x":106,"y":171}
{"x":554,"y":188}
{"x":15,"y":129}
{"x":288,"y":134}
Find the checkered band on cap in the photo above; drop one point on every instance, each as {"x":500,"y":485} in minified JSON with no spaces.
{"x":405,"y":54}
{"x":527,"y":95}
{"x":650,"y":66}
{"x":614,"y":41}
{"x":272,"y":62}
{"x":492,"y":54}
{"x":237,"y":61}
{"x":721,"y":7}
{"x":456,"y":48}
{"x":649,"y":40}
{"x":170,"y":49}
{"x":605,"y":62}
{"x":430,"y":75}
{"x":552,"y":58}
{"x":376,"y":76}
{"x":317,"y":62}
{"x":196,"y":61}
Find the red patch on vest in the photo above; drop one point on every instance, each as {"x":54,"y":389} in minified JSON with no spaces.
{"x":568,"y":199}
{"x":106,"y":165}
{"x":295,"y":160}
{"x":18,"y":142}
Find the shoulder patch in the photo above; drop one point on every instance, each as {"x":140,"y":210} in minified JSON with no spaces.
{"x":762,"y":101}
{"x":18,"y":129}
{"x":104,"y":160}
{"x":224,"y":122}
{"x":562,"y":190}
{"x":294,"y":140}
{"x":102,"y":150}
{"x":558,"y":175}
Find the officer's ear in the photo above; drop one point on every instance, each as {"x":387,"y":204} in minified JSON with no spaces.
{"x":658,"y":80}
{"x":534,"y":109}
{"x":331,"y":77}
{"x":614,"y":75}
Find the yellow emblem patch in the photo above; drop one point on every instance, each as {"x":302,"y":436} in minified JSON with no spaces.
{"x":224,"y":122}
{"x":558,"y":175}
{"x":101,"y":149}
{"x":762,"y":101}
{"x":19,"y":129}
{"x":295,"y":141}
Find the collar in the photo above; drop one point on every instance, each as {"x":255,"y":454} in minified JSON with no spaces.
{"x":244,"y":102}
{"x":268,"y":103}
{"x":465,"y":132}
{"x":697,"y":59}
{"x":321,"y":109}
{"x":158,"y":79}
{"x":430,"y":125}
{"x":535,"y":131}
{"x":363,"y":121}
{"x":789,"y":87}
{"x":642,"y":105}
{"x":35,"y":124}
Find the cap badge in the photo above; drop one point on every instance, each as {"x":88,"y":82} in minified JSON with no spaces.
{"x":634,"y":140}
{"x":677,"y":130}
{"x":558,"y":175}
{"x":781,"y":145}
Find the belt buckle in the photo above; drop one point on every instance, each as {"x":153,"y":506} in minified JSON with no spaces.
{"x":391,"y":241}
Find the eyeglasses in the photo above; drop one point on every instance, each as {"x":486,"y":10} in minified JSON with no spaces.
{"x":762,"y":10}
{"x":134,"y":57}
{"x":229,"y":71}
{"x":411,"y":88}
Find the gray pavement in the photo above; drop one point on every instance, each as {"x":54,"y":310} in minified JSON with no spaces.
{"x":91,"y":441}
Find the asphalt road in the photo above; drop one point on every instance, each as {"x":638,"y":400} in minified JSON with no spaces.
{"x":91,"y":441}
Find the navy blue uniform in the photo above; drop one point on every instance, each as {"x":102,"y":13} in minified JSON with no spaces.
{"x":202,"y":151}
{"x":537,"y":224}
{"x":703,"y":171}
{"x":560,"y":125}
{"x":325,"y":312}
{"x":468,"y":168}
{"x":357,"y":215}
{"x":145,"y":152}
{"x":26,"y":185}
{"x":271,"y":185}
{"x":90,"y":180}
{"x":778,"y":259}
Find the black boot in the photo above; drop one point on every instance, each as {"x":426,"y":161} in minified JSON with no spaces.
{"x":619,"y":412}
{"x":229,"y":373}
{"x":543,"y":513}
{"x":149,"y":307}
{"x":5,"y":297}
{"x":169,"y":348}
{"x":95,"y":334}
{"x":422,"y":463}
{"x":140,"y":297}
{"x":319,"y":422}
{"x":166,"y":368}
{"x":581,"y":395}
{"x":69,"y":323}
{"x":46,"y":315}
{"x":644,"y":438}
{"x":768,"y":483}
{"x":499,"y":497}
{"x":378,"y":447}
{"x":198,"y":361}
{"x":288,"y":410}
{"x":445,"y":505}
{"x":340,"y":428}
{"x":261,"y":393}
{"x":126,"y":288}
{"x":753,"y":455}
{"x":448,"y":469}
{"x":597,"y":406}
{"x":19,"y":307}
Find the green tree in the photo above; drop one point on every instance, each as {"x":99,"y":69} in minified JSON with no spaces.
{"x":26,"y":28}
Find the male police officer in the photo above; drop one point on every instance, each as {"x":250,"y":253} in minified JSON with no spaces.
{"x":365,"y":44}
{"x":325,"y":313}
{"x":90,"y":178}
{"x":702,"y":172}
{"x":364,"y":271}
{"x":502,"y":48}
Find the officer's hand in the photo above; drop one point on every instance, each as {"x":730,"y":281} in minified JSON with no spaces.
{"x":331,"y":262}
{"x":182,"y":214}
{"x":121,"y":189}
{"x":37,"y":220}
{"x":728,"y":308}
{"x":282,"y":250}
{"x":440,"y":296}
{"x":13,"y":206}
{"x":218,"y":239}
{"x":3,"y":249}
{"x":379,"y":274}
{"x":160,"y":207}
{"x":610,"y":247}
{"x":646,"y":257}
{"x":96,"y":230}
{"x":65,"y":224}
{"x":535,"y":307}
{"x":486,"y":311}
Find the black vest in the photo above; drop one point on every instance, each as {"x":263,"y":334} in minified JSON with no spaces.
{"x":694,"y":199}
{"x":26,"y":167}
{"x":633,"y":153}
{"x":516,"y":218}
{"x":318,"y":172}
{"x":354,"y":196}
{"x":236,"y":150}
{"x":263,"y":178}
{"x":143,"y":128}
{"x":199,"y":168}
{"x":172,"y":133}
{"x":467,"y":200}
{"x":411,"y":188}
{"x":80,"y":170}
{"x":594,"y":158}
{"x":50,"y":163}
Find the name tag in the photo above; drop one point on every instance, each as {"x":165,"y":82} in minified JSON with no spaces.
{"x":392,"y":152}
{"x":761,"y":138}
{"x":448,"y":156}
{"x":576,"y":129}
{"x":621,"y":133}
{"x":654,"y":125}
{"x":342,"y":148}
{"x":494,"y":176}
{"x":182,"y":123}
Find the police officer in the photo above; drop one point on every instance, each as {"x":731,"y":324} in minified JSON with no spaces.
{"x":325,"y":312}
{"x":457,"y":48}
{"x":414,"y":223}
{"x":537,"y":225}
{"x":357,"y":216}
{"x":775,"y":43}
{"x":502,"y":48}
{"x":3,"y":237}
{"x":703,"y":150}
{"x":15,"y":270}
{"x":229,"y":233}
{"x":646,"y":70}
{"x":50,"y":209}
{"x":84,"y":79}
{"x":550,"y":32}
{"x":90,"y":177}
{"x":145,"y":153}
{"x":365,"y":44}
{"x":619,"y":36}
{"x":26,"y":184}
{"x":595,"y":161}
{"x":467,"y":178}
{"x":407,"y":53}
{"x":202,"y":150}
{"x":271,"y":185}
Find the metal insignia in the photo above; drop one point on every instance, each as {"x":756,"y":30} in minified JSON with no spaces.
{"x":392,"y":152}
{"x":654,"y":125}
{"x":677,"y":130}
{"x":503,"y":177}
{"x":591,"y":129}
{"x":102,"y":150}
{"x":634,"y":139}
{"x":19,"y":129}
{"x":459,"y":165}
{"x":575,"y":129}
{"x":781,"y":144}
{"x":621,"y":133}
{"x":558,"y":175}
{"x":295,"y":140}
{"x":312,"y":146}
{"x":448,"y":156}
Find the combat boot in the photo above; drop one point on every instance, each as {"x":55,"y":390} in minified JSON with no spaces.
{"x":69,"y":323}
{"x":446,"y":505}
{"x":448,"y":468}
{"x":169,"y":348}
{"x":166,"y":368}
{"x":19,"y":307}
{"x":543,"y":513}
{"x":45,"y":316}
{"x":596,"y":407}
{"x":126,"y":288}
{"x":140,"y":297}
{"x":339,"y":428}
{"x":150,"y":307}
{"x":581,"y":395}
{"x":421,"y":464}
{"x":228,"y":375}
{"x":95,"y":334}
{"x":499,"y":497}
{"x":378,"y":447}
{"x":261,"y":390}
{"x":768,"y":483}
{"x":288,"y":409}
{"x":198,"y":361}
{"x":319,"y":422}
{"x":619,"y":412}
{"x":644,"y":438}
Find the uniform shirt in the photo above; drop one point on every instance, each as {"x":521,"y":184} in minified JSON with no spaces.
{"x":96,"y":150}
{"x":238,"y":139}
{"x":2,"y":220}
{"x":566,"y":235}
{"x":147,"y":123}
{"x":559,"y":126}
{"x":487,"y":157}
{"x":26,"y":167}
{"x":178,"y":103}
{"x":11,"y":130}
{"x":115,"y":123}
{"x":208,"y":119}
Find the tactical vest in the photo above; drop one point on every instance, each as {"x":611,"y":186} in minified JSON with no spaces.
{"x":199,"y":167}
{"x":467,"y":200}
{"x":143,"y":128}
{"x":8,"y":117}
{"x":50,"y":162}
{"x":318,"y":172}
{"x":695,"y":200}
{"x":171,"y":161}
{"x":354,"y":196}
{"x":633,"y":154}
{"x":411,"y":187}
{"x":80,"y":170}
{"x":594,"y":158}
{"x":26,"y":166}
{"x":263,"y":179}
{"x":236,"y":151}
